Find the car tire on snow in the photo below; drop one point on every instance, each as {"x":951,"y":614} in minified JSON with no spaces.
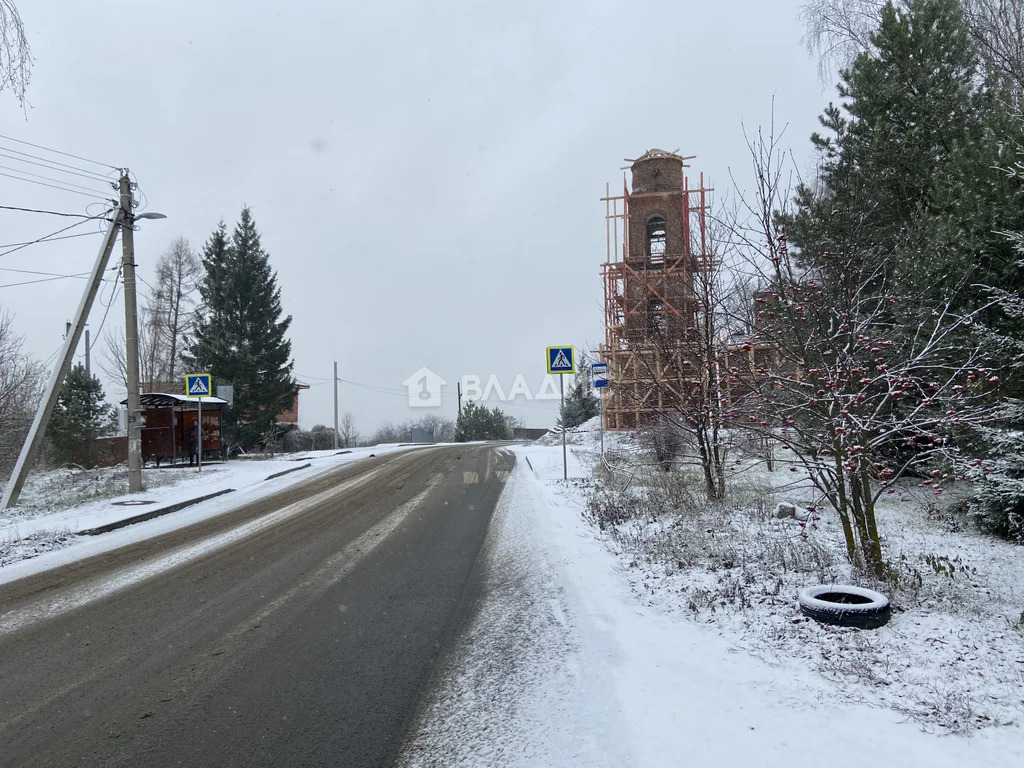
{"x":845,"y":606}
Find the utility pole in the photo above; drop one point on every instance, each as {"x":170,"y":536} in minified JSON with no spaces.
{"x":458,"y":388}
{"x":35,"y":433}
{"x":88,"y":367}
{"x":335,"y":405}
{"x":131,"y":337}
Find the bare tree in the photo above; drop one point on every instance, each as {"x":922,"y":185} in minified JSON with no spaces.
{"x":681,"y":360}
{"x":837,"y":30}
{"x":113,"y":363}
{"x":21,"y":383}
{"x":442,"y":429}
{"x":171,"y":307}
{"x":347,"y":430}
{"x":860,"y":380}
{"x":15,"y":54}
{"x":997,"y":27}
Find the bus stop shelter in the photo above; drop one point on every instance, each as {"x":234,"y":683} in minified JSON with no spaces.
{"x":167,"y":420}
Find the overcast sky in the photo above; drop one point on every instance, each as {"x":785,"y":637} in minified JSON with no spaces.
{"x":425,"y":175}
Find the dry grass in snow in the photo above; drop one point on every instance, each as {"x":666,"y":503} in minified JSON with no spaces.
{"x":952,"y":657}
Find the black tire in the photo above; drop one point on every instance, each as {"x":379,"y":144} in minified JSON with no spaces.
{"x":845,"y":606}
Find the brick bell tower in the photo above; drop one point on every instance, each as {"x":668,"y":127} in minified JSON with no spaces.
{"x":650,"y":311}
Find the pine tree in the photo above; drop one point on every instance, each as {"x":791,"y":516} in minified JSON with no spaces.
{"x":240,"y":335}
{"x":476,"y":422}
{"x":79,"y":417}
{"x":999,"y":471}
{"x":894,"y":153}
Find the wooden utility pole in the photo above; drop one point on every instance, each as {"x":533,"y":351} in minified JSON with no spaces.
{"x":131,"y":336}
{"x":88,"y":367}
{"x":458,"y":388}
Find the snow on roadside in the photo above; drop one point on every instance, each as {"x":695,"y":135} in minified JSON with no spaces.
{"x":56,"y":505}
{"x":568,"y":663}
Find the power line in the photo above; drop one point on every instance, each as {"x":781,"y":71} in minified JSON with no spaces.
{"x":98,"y":196}
{"x":51,"y":239}
{"x":52,"y":165}
{"x":42,"y":280}
{"x":44,"y":237}
{"x":47,"y":178}
{"x":113,"y":296}
{"x":51,"y":213}
{"x":34,"y":272}
{"x":58,"y":152}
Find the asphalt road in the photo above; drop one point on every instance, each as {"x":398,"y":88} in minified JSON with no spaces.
{"x":300,"y":630}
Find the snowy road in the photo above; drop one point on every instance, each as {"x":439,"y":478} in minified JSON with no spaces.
{"x":298,"y":629}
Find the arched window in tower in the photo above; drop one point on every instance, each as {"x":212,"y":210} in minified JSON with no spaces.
{"x":657,"y":320}
{"x":656,"y":238}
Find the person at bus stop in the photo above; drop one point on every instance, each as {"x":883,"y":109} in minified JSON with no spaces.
{"x":195,"y":437}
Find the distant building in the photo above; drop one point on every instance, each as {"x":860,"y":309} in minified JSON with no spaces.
{"x":656,"y":285}
{"x":651,"y":291}
{"x":290,"y":419}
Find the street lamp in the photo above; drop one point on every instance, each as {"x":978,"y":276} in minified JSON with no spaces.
{"x":131,"y":333}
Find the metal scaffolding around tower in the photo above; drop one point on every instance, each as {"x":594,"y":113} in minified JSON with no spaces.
{"x":653,"y":283}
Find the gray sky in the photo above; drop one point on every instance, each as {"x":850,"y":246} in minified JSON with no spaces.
{"x":425,"y":175}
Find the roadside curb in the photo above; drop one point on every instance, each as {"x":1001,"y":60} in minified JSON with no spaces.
{"x":285,"y":472}
{"x":150,"y":515}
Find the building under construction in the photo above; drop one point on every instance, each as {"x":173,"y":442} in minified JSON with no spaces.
{"x":658,"y":255}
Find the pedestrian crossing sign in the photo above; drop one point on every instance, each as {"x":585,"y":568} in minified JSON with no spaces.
{"x":197,"y":385}
{"x":560,"y":360}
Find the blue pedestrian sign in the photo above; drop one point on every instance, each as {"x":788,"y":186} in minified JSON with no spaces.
{"x":197,"y":385}
{"x":599,"y":372}
{"x":560,"y":360}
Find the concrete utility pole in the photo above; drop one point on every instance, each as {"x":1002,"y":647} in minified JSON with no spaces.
{"x":335,"y":405}
{"x":131,"y":337}
{"x":60,"y":370}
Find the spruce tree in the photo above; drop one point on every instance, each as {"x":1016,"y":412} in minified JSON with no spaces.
{"x":79,"y":417}
{"x":241,"y":335}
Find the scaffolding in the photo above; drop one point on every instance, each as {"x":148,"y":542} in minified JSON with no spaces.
{"x":653,"y":282}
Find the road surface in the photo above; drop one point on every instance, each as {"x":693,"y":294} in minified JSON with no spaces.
{"x":300,"y":629}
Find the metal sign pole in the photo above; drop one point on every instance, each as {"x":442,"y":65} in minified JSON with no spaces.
{"x":565,"y":464}
{"x":600,"y":413}
{"x":199,"y":437}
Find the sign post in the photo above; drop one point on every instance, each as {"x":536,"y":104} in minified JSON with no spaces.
{"x":599,"y":376}
{"x":561,"y":361}
{"x":197,"y":386}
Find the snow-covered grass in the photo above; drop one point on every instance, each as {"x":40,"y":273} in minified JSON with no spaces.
{"x":56,"y":505}
{"x":951,"y":659}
